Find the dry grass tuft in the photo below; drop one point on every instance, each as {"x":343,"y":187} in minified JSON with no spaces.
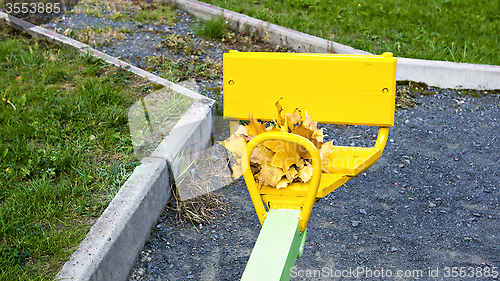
{"x":200,"y":210}
{"x":194,"y":197}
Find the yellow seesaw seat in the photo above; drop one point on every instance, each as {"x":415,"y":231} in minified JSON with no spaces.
{"x":335,"y":89}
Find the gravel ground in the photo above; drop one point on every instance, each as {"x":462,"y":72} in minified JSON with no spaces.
{"x":142,"y":45}
{"x":430,"y":202}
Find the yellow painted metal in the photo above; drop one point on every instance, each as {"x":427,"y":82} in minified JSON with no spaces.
{"x":327,"y":184}
{"x":329,"y":188}
{"x":383,"y":134}
{"x":351,"y":160}
{"x":282,"y":201}
{"x":340,"y":89}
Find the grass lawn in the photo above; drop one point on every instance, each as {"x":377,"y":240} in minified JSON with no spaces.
{"x":449,"y":30}
{"x":65,"y":150}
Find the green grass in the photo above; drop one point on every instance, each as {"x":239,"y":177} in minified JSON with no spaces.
{"x":214,"y":28}
{"x":180,"y":70}
{"x":158,"y":14}
{"x":449,"y":30}
{"x":65,"y":150}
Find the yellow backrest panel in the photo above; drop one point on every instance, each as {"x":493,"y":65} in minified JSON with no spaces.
{"x":340,"y":89}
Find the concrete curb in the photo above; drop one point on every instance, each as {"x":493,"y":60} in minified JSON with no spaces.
{"x":110,"y":249}
{"x":433,"y":73}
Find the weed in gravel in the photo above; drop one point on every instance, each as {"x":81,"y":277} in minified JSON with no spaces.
{"x":181,"y":44}
{"x":406,"y":94}
{"x":201,"y":210}
{"x":157,"y":14}
{"x":99,"y":36}
{"x":217,"y":28}
{"x":184,"y":69}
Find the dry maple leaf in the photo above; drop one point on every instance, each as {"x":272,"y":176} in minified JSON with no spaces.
{"x":254,"y":128}
{"x":237,"y":145}
{"x":291,"y":174}
{"x":325,"y":152}
{"x":261,"y":154}
{"x":305,"y":174}
{"x":269,"y":175}
{"x":284,"y":182}
{"x":286,"y":158}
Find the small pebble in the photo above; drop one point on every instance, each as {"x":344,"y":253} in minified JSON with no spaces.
{"x":355,"y":223}
{"x":393,"y":249}
{"x":362,"y":211}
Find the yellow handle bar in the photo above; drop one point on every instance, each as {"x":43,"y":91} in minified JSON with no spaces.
{"x":313,"y":183}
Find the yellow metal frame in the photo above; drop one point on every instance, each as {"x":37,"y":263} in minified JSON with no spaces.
{"x":302,"y":195}
{"x":304,"y":203}
{"x":338,"y":89}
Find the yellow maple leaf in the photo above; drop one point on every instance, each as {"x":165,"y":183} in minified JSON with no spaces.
{"x":286,"y":158}
{"x":301,"y":130}
{"x":291,"y":174}
{"x":269,"y":175}
{"x":261,"y":154}
{"x":279,"y":121}
{"x":318,"y":135}
{"x":242,"y":130}
{"x":237,"y":169}
{"x":309,"y":123}
{"x":292,"y":119}
{"x":282,"y":183}
{"x":325,"y":152}
{"x":315,"y":136}
{"x":235,"y":144}
{"x":254,"y":128}
{"x":305,"y":173}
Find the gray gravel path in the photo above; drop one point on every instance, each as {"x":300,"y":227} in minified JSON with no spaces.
{"x":430,"y":202}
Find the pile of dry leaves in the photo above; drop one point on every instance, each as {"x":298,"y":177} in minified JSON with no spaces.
{"x":278,"y":163}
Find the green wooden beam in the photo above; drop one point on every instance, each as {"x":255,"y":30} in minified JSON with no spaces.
{"x":279,"y":244}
